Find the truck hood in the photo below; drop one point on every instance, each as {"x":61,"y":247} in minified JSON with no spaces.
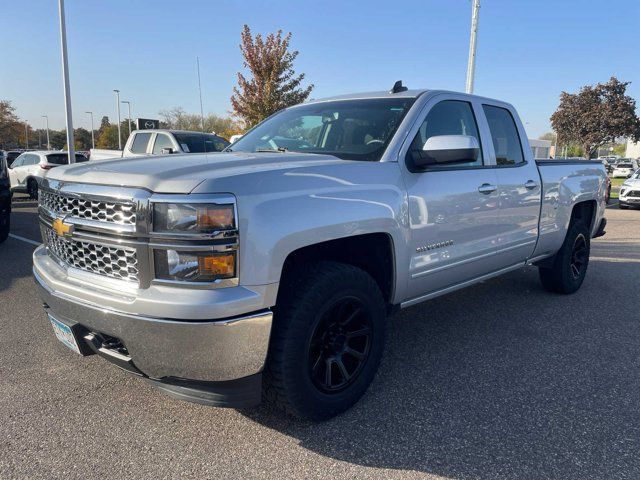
{"x":182,"y":173}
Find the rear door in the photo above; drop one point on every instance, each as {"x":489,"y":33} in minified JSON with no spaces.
{"x":519,"y":185}
{"x":453,"y":210}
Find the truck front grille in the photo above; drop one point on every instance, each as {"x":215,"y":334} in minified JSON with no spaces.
{"x":115,"y":262}
{"x":119,"y":213}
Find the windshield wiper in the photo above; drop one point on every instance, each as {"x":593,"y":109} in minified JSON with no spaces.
{"x":272,"y":150}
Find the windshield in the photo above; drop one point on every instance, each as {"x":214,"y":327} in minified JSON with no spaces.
{"x":200,"y":142}
{"x":347,"y":129}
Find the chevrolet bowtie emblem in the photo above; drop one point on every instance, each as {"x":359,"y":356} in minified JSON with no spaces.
{"x":61,"y":228}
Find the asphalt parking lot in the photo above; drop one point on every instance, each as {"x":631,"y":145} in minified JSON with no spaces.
{"x":501,"y":380}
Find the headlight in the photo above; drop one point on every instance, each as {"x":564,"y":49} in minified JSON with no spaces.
{"x":623,"y":191}
{"x":192,"y":218}
{"x":188,"y":266}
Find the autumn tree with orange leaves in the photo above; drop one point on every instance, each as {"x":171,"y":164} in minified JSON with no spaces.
{"x":272,"y":84}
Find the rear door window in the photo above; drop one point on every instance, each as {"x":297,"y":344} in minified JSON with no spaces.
{"x":140,"y":142}
{"x":506,"y":141}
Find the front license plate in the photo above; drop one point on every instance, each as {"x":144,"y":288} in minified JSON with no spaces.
{"x":65,"y":334}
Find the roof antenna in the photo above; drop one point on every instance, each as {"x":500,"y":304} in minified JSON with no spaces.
{"x":398,"y":87}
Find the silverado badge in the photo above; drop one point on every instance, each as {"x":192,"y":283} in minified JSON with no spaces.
{"x":61,"y":228}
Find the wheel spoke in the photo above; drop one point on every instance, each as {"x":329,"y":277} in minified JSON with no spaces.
{"x":317,"y":364}
{"x":354,"y":353}
{"x":343,"y":369}
{"x":364,"y":331}
{"x":574,"y":269}
{"x":351,"y":316}
{"x":327,"y":373}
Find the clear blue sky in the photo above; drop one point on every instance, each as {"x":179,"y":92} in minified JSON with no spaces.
{"x":528,"y":51}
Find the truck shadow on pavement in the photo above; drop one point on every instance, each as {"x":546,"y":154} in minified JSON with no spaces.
{"x":15,"y":256}
{"x":502,"y":380}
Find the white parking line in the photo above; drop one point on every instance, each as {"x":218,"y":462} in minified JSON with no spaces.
{"x":616,"y":260}
{"x":26,"y":240}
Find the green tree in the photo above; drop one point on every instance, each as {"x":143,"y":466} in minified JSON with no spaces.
{"x":596,"y":115}
{"x":108,"y":137}
{"x":11,"y":130}
{"x":272,"y":84}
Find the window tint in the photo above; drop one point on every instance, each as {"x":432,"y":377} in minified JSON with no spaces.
{"x":200,"y":142}
{"x":63,"y":158}
{"x":506,"y":141}
{"x":450,"y":117}
{"x":140,"y":142}
{"x":162,"y":141}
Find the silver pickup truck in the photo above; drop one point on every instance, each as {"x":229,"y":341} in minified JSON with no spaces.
{"x":269,"y":271}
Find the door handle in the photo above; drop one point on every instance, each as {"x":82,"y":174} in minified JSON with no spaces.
{"x":487,"y":188}
{"x":530,"y":185}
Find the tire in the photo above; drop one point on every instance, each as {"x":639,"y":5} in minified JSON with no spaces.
{"x":311,"y":327}
{"x":32,"y":188}
{"x":5,"y":226}
{"x":569,"y":266}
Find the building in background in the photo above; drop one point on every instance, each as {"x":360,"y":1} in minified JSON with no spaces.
{"x":540,"y":148}
{"x":633,"y":149}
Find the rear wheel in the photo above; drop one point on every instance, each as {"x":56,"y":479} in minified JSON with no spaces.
{"x":327,"y":341}
{"x":32,"y":188}
{"x":569,"y":266}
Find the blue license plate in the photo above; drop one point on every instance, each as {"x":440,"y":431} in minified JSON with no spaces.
{"x":64,"y":334}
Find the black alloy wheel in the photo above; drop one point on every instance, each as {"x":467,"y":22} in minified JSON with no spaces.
{"x":579,"y":256}
{"x":340,"y":344}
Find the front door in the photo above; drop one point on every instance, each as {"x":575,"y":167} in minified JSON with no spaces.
{"x":453,"y":210}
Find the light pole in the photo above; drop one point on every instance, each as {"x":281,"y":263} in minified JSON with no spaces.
{"x":129,"y":107}
{"x":48,"y":142}
{"x":200,"y":92}
{"x":26,"y":134}
{"x":93,"y":142}
{"x":471,"y":64}
{"x":118,"y":104}
{"x":67,"y":88}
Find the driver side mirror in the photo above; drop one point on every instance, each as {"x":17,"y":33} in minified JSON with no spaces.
{"x":166,"y":151}
{"x":447,"y":149}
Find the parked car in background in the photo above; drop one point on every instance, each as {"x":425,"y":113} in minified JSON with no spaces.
{"x":163,"y":142}
{"x":624,"y":169}
{"x":12,"y":155}
{"x":273,"y":268}
{"x":5,"y":200}
{"x":629,"y":195}
{"x":27,"y":171}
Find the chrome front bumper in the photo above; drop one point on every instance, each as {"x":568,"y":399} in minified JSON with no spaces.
{"x":204,"y":350}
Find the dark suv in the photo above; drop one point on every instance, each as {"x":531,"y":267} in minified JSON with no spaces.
{"x":5,"y":200}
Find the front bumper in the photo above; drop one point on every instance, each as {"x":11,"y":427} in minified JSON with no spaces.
{"x":203,"y":360}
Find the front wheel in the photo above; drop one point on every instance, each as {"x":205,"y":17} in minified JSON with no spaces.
{"x":569,"y":266}
{"x":327,"y":341}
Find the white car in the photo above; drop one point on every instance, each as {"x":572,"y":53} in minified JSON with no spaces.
{"x":630,"y":192}
{"x":26,"y":171}
{"x":623,"y":170}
